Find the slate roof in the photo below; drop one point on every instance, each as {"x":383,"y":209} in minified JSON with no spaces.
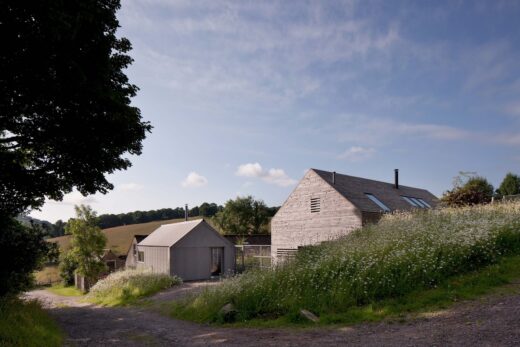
{"x":169,"y":234}
{"x":354,"y":189}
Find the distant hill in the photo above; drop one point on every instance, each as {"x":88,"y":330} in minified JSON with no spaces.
{"x":119,"y":238}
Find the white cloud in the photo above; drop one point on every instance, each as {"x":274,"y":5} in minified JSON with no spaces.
{"x":129,"y":187}
{"x":75,"y":198}
{"x":272,"y":176}
{"x":357,"y":153}
{"x":194,"y":180}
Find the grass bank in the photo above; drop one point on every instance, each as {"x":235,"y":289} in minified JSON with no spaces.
{"x":60,"y":289}
{"x":407,"y":263}
{"x":26,"y":324}
{"x":126,"y":287}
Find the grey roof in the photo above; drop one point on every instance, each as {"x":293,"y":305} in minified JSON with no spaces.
{"x":354,"y":190}
{"x":169,"y":234}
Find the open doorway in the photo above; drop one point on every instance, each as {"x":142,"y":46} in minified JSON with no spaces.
{"x":217,"y":260}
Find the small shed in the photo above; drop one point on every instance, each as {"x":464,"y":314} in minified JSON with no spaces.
{"x":192,"y":250}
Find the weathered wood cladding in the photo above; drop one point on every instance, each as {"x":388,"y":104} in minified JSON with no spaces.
{"x":295,"y":225}
{"x":156,"y":259}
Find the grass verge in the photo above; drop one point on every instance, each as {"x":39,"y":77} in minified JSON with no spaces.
{"x":26,"y":324}
{"x":493,"y":279}
{"x":126,"y":287}
{"x":60,"y":289}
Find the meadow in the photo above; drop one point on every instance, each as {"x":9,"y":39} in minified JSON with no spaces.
{"x":125,"y":287}
{"x":401,"y":258}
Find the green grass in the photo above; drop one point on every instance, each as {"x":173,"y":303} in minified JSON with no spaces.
{"x":60,"y":289}
{"x":26,"y":324}
{"x":375,"y":272}
{"x":127,"y":287}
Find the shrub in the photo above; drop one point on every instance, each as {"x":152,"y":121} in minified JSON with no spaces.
{"x":67,"y":267}
{"x":23,"y":251}
{"x":124,"y":287}
{"x":403,"y":253}
{"x":476,"y":190}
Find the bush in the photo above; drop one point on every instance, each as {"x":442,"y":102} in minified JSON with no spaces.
{"x":124,"y":287}
{"x":476,"y":190}
{"x":403,"y":253}
{"x":26,"y":324}
{"x":23,"y":251}
{"x":67,"y":267}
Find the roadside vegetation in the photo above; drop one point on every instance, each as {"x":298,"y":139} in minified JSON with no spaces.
{"x":407,"y":262}
{"x":26,"y":324}
{"x":125,"y":287}
{"x":64,"y":290}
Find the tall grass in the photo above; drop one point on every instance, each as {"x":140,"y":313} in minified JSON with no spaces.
{"x":124,"y":287}
{"x":405,"y":252}
{"x":26,"y":324}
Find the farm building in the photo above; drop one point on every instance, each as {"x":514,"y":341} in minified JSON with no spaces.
{"x":192,"y":250}
{"x":326,"y":205}
{"x":131,"y":256}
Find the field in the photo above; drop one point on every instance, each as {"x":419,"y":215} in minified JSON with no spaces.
{"x":404,"y":254}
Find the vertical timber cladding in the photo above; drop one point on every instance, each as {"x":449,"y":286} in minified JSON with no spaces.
{"x":156,"y":258}
{"x":314,"y":212}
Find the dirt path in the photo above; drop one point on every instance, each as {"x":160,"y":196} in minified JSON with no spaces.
{"x":491,"y":321}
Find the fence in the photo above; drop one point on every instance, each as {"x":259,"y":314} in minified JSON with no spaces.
{"x":252,"y":257}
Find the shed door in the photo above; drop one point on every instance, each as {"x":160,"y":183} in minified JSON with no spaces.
{"x":217,"y":260}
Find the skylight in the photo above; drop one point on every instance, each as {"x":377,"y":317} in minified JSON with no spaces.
{"x":418,"y":203}
{"x":408,"y":200}
{"x":377,"y":202}
{"x":425,"y":203}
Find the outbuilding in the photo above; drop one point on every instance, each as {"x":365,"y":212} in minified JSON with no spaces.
{"x":192,"y":250}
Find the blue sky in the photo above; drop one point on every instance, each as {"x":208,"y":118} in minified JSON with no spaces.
{"x":245,"y":96}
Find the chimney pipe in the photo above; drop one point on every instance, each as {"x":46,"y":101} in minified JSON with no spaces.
{"x":333,"y":177}
{"x":186,"y":213}
{"x":396,"y":180}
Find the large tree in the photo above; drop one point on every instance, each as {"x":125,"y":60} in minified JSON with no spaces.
{"x":244,"y":215}
{"x":65,"y":113}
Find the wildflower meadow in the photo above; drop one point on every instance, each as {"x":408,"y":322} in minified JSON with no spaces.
{"x":123,"y":287}
{"x":404,"y":252}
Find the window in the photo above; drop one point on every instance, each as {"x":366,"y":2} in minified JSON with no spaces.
{"x":140,"y":256}
{"x":377,"y":202}
{"x":284,"y":254}
{"x":418,"y":203}
{"x":315,"y":205}
{"x":408,"y":200}
{"x":425,"y":203}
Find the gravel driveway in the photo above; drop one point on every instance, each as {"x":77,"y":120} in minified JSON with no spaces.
{"x":490,"y":321}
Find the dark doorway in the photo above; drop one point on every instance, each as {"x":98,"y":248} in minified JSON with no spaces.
{"x":217,"y":260}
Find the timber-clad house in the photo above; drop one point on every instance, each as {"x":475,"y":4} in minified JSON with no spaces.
{"x":327,"y":205}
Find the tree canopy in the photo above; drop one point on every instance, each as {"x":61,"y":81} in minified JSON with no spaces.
{"x":510,"y":185}
{"x":88,"y":243}
{"x":244,"y":215}
{"x":474,"y":190}
{"x":65,"y":113}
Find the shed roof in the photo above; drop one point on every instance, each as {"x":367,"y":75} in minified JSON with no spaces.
{"x":355,"y":189}
{"x":169,"y":234}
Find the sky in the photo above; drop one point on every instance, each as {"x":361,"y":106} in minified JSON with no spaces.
{"x":245,"y":96}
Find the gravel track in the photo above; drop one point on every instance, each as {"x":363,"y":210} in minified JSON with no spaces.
{"x":490,"y":321}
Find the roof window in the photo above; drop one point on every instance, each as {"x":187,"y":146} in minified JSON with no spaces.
{"x":377,"y":202}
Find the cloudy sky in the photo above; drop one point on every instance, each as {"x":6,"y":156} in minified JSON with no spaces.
{"x":245,"y":96}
